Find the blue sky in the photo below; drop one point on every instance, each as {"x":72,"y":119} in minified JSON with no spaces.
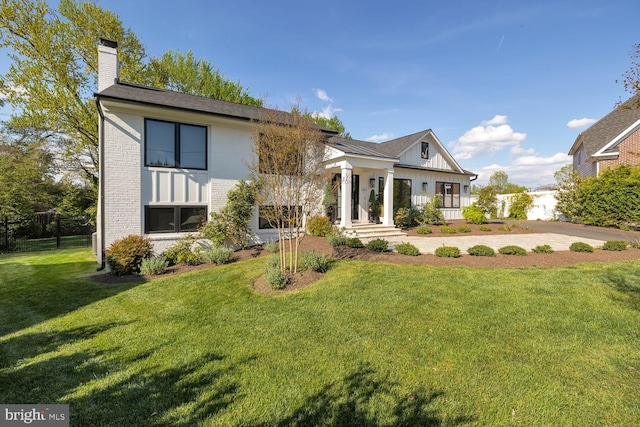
{"x":499,"y":82}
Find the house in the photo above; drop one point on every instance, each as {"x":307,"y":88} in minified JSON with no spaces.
{"x":167,"y":160}
{"x":611,"y":141}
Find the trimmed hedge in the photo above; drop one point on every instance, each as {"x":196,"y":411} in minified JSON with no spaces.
{"x":353,"y":242}
{"x":378,"y":245}
{"x":424,"y":230}
{"x":447,"y":252}
{"x":512,"y":250}
{"x":481,"y":250}
{"x":542,"y":249}
{"x":614,"y":245}
{"x":125,"y":255}
{"x":445,"y":229}
{"x":405,"y":248}
{"x":580,"y":247}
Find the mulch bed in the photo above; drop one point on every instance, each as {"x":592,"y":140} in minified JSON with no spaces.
{"x":320,"y":245}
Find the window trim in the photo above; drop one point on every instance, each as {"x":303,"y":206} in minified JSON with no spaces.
{"x":263,"y":224}
{"x":440,"y":192}
{"x":176,"y":217}
{"x":177,"y":145}
{"x":424,"y":154}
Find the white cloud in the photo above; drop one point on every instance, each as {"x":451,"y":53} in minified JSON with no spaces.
{"x":578,"y":123}
{"x":530,"y":171}
{"x":322,"y":95}
{"x":327,"y":112}
{"x":379,"y":138}
{"x":497,"y":120}
{"x":490,"y":137}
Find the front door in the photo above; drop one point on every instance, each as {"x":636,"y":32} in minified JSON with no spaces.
{"x":355,"y":196}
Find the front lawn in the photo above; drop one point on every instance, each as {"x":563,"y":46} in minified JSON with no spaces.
{"x":370,"y":344}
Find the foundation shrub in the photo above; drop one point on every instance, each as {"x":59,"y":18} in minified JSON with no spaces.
{"x":319,"y":225}
{"x":378,"y":245}
{"x":153,"y":266}
{"x":407,"y":249}
{"x":353,"y":242}
{"x":424,"y":230}
{"x":125,"y":255}
{"x":445,"y":229}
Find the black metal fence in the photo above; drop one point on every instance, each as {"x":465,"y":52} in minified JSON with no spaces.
{"x":44,"y":232}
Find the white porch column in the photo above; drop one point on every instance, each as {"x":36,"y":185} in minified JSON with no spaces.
{"x":388,"y":198}
{"x":345,"y":195}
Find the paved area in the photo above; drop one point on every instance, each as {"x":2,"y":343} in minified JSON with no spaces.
{"x":586,"y":231}
{"x":559,"y":242}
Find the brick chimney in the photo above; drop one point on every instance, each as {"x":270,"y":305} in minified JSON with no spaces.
{"x":108,"y":65}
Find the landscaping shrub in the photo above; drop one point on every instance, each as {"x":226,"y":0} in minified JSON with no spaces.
{"x":378,"y":245}
{"x":217,"y":255}
{"x":407,"y":249}
{"x":447,"y":252}
{"x":445,"y":229}
{"x":430,"y":212}
{"x":580,"y":247}
{"x":474,"y":214}
{"x":125,"y":255}
{"x":635,"y":244}
{"x":153,"y":266}
{"x":485,"y":228}
{"x":481,"y":250}
{"x":276,"y":278}
{"x":464,"y":229}
{"x":542,"y":249}
{"x":336,"y":240}
{"x":215,"y":230}
{"x":353,"y":242}
{"x":272,"y":247}
{"x":406,"y":217}
{"x":512,"y":250}
{"x":423,"y":230}
{"x":319,"y":225}
{"x":314,"y":261}
{"x":519,"y":205}
{"x":504,"y":228}
{"x":614,"y":245}
{"x":181,"y":253}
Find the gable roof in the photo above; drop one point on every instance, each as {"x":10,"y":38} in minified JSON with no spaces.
{"x":608,"y":128}
{"x":362,"y":148}
{"x":137,"y":94}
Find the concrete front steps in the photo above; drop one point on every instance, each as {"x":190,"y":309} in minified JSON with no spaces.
{"x":366,"y":231}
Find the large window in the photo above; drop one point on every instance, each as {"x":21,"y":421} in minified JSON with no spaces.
{"x":266,"y":213}
{"x":401,"y":193}
{"x":449,"y":193}
{"x":173,"y":219}
{"x":175,"y":145}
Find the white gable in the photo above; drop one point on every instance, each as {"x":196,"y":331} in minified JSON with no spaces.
{"x":435,"y":156}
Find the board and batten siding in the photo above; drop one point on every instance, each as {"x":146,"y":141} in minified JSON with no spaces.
{"x":420,"y":197}
{"x":435,"y":161}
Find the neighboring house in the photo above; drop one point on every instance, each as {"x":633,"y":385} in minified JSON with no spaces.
{"x":167,"y":160}
{"x":611,"y":141}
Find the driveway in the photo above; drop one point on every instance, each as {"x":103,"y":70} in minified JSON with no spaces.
{"x":578,"y":230}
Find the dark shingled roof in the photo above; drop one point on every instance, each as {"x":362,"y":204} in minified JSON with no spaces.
{"x":398,"y":145}
{"x":607,"y":128}
{"x":363,"y":148}
{"x":169,"y":99}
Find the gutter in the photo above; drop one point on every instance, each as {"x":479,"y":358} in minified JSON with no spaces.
{"x":101,"y":182}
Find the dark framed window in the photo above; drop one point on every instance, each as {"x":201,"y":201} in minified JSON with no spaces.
{"x":424,"y":151}
{"x":173,"y":219}
{"x":401,"y":193}
{"x":449,"y":193}
{"x":267,"y":212}
{"x":175,"y":145}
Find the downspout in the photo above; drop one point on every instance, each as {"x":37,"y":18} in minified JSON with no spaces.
{"x":101,"y":181}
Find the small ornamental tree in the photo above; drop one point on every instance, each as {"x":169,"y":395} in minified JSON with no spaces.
{"x":288,"y":150}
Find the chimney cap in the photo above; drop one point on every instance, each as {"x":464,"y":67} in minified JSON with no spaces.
{"x":108,"y":43}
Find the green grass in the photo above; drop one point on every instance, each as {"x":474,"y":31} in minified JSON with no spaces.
{"x":370,"y":344}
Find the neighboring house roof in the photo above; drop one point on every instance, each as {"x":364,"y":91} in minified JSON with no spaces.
{"x":127,"y":92}
{"x":607,"y":129}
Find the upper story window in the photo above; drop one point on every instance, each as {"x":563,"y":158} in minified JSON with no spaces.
{"x":175,"y":145}
{"x":424,"y":151}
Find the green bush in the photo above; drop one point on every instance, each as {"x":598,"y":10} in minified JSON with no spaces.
{"x":336,"y":240}
{"x":153,"y":266}
{"x":430,"y":212}
{"x":580,"y":247}
{"x":504,"y":228}
{"x":272,"y":247}
{"x":542,"y":249}
{"x":181,"y":253}
{"x":319,"y":225}
{"x":445,"y":229}
{"x":125,"y":255}
{"x":614,"y":245}
{"x":314,"y":261}
{"x":378,"y":245}
{"x":215,"y":230}
{"x":424,"y":230}
{"x":217,"y":255}
{"x":635,"y":244}
{"x":353,"y":242}
{"x":485,"y":228}
{"x":447,"y":252}
{"x":276,"y":278}
{"x":512,"y":250}
{"x":481,"y":250}
{"x":407,"y":249}
{"x":464,"y":229}
{"x":519,"y":205}
{"x":406,"y":217}
{"x":474,"y":214}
